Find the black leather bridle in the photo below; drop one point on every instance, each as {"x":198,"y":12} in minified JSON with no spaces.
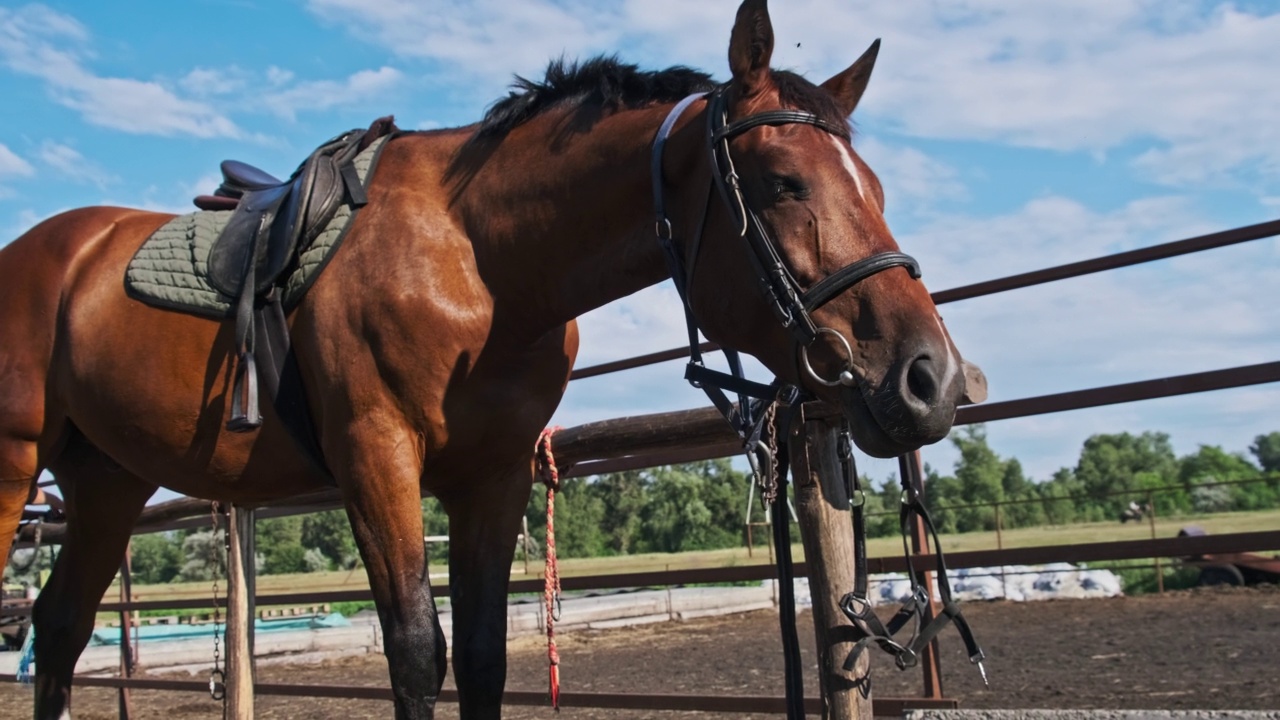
{"x":792,"y":305}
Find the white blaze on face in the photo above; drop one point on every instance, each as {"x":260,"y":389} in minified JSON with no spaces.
{"x":953,"y":357}
{"x":846,"y":158}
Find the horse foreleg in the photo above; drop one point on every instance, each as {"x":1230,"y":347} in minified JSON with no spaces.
{"x":102,"y":507}
{"x":384,"y":504}
{"x":482,"y":542}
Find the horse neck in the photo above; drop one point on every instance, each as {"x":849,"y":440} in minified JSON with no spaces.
{"x":562,"y":219}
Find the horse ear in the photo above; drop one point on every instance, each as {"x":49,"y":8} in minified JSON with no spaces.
{"x":848,"y":86}
{"x":751,"y":46}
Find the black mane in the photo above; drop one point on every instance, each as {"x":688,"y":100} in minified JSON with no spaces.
{"x":607,"y":82}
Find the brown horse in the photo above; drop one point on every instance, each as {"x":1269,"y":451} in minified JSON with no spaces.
{"x":438,"y":343}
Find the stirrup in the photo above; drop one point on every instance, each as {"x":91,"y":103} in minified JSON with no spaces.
{"x":245,"y":416}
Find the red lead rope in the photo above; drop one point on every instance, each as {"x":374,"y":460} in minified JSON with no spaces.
{"x":550,"y":476}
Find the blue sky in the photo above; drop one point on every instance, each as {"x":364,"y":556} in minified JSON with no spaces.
{"x":1008,"y":135}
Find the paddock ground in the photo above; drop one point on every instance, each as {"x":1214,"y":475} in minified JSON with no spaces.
{"x":1197,"y":649}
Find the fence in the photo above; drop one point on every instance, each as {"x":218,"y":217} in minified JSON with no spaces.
{"x":669,"y":438}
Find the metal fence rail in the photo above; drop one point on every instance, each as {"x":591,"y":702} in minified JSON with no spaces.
{"x":667,"y":438}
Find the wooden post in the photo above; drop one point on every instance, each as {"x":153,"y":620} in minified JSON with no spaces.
{"x":127,"y":659}
{"x":909,"y":466}
{"x":240,"y":614}
{"x":823,"y":508}
{"x":1151,"y":514}
{"x":524,"y":541}
{"x":999,"y":536}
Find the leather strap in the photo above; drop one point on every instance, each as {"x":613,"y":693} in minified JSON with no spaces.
{"x":773,"y":117}
{"x":849,"y":275}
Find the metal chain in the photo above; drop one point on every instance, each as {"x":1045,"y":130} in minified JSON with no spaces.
{"x":217,"y":677}
{"x":768,"y":477}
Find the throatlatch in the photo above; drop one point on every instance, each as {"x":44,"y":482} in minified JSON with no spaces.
{"x":762,"y":412}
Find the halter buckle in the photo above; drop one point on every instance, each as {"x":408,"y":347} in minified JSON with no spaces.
{"x":854,"y":606}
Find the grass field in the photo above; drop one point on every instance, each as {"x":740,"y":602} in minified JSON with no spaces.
{"x":1024,"y":537}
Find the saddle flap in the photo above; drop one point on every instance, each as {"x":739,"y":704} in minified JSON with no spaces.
{"x":237,"y":252}
{"x":322,"y":197}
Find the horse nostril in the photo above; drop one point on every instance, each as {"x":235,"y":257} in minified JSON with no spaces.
{"x":922,"y":380}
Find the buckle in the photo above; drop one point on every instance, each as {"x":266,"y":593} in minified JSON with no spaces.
{"x":689,"y":373}
{"x":977,"y":659}
{"x":788,"y":394}
{"x":855,"y":607}
{"x":661,"y":224}
{"x":857,"y":498}
{"x":906,"y":658}
{"x":844,"y":445}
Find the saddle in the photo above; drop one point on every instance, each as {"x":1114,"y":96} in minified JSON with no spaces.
{"x":272,"y":221}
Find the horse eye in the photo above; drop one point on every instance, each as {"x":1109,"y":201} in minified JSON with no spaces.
{"x":781,"y":187}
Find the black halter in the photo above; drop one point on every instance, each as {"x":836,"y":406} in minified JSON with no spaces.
{"x":791,"y":304}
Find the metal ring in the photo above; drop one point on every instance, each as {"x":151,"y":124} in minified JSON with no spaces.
{"x":217,"y":685}
{"x":846,"y":376}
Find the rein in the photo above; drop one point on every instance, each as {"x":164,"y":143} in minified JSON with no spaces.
{"x":775,"y":405}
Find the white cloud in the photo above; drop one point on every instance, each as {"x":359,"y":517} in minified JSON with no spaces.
{"x":1173,"y":317}
{"x":36,"y":40}
{"x":69,"y":163}
{"x":13,"y":166}
{"x":910,"y":178}
{"x":325,"y":94}
{"x":279,"y":76}
{"x":644,"y":322}
{"x":1191,"y":86}
{"x":481,"y":38}
{"x":204,"y":82}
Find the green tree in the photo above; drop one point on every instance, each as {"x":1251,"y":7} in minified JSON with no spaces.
{"x":1267,"y":449}
{"x":155,"y":558}
{"x":1212,"y":464}
{"x":205,"y":556}
{"x":279,"y":540}
{"x":981,"y":473}
{"x":624,"y":497}
{"x":1057,"y":497}
{"x":1119,"y":462}
{"x":330,"y":533}
{"x":677,"y":517}
{"x":435,"y":521}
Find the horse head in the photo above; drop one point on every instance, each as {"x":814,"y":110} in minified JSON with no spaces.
{"x":842,"y":313}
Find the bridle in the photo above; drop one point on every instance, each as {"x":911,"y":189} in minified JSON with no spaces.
{"x":791,"y":305}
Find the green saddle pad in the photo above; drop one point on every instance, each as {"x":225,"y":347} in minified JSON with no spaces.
{"x":171,"y":269}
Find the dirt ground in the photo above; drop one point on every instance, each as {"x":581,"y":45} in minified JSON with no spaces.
{"x":1205,"y":648}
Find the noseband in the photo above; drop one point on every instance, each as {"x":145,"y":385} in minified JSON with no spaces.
{"x":790,"y":304}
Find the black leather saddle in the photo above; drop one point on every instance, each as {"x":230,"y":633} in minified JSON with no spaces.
{"x":272,"y":221}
